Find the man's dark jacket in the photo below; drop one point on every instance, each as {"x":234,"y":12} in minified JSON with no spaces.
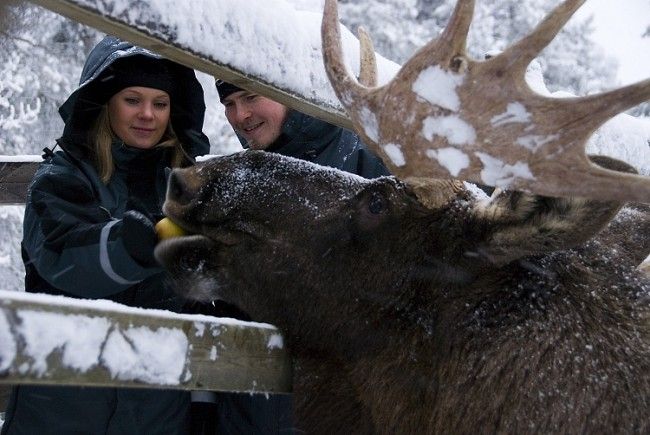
{"x":311,"y":139}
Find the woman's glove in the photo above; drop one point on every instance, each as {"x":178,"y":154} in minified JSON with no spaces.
{"x":139,"y":237}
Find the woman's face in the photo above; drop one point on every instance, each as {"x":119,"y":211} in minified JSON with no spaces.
{"x":139,"y":115}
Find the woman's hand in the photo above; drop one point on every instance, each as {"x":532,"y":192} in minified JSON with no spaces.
{"x":139,"y":237}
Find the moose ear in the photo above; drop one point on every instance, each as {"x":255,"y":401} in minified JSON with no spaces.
{"x":525,"y":224}
{"x":435,"y":193}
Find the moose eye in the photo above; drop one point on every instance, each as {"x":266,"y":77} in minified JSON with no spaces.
{"x":377,"y":203}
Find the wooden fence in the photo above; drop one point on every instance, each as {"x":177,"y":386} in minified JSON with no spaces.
{"x":15,"y":175}
{"x":56,"y":340}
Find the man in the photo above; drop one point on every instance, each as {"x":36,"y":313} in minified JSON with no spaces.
{"x":264,"y":124}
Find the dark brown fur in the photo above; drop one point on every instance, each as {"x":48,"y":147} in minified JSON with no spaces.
{"x":458,"y":318}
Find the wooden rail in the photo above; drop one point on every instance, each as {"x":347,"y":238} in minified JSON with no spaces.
{"x":55,"y":340}
{"x":15,"y":175}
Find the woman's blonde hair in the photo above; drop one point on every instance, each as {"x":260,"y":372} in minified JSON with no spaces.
{"x":102,"y":138}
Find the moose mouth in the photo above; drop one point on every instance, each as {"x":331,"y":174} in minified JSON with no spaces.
{"x":191,"y":262}
{"x":184,"y":253}
{"x":203,"y":240}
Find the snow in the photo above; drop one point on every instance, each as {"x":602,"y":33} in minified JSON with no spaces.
{"x":21,"y":158}
{"x":495,"y":172}
{"x":136,"y":353}
{"x":619,"y":30}
{"x":624,"y":137}
{"x":478,"y":193}
{"x":438,"y":87}
{"x":452,"y":159}
{"x":370,"y":124}
{"x":452,"y":127}
{"x":79,"y":337}
{"x":8,"y":347}
{"x":275,"y":342}
{"x":110,"y":306}
{"x":394,"y":153}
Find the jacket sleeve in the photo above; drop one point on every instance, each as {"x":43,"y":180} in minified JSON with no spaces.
{"x":358,"y":158}
{"x":369,"y":165}
{"x":73,"y":242}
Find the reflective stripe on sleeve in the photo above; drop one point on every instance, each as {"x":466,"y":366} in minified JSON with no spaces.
{"x":103,"y":256}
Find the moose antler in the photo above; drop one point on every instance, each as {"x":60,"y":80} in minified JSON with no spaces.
{"x":447,"y":115}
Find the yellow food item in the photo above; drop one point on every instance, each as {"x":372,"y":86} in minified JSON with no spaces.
{"x":166,"y":229}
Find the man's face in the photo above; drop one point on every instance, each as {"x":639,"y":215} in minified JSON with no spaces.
{"x":258,"y":119}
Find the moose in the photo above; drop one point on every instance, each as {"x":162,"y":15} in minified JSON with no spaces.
{"x":414,"y":304}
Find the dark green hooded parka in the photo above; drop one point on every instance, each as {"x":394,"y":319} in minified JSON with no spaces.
{"x":72,"y":245}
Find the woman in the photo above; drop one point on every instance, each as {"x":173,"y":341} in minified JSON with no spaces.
{"x":89,"y":224}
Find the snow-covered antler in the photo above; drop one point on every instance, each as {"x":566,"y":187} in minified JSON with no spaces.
{"x":447,"y":115}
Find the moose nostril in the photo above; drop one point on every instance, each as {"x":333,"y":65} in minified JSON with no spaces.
{"x":177,"y":190}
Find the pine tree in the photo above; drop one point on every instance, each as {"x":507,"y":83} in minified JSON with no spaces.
{"x":42,"y":58}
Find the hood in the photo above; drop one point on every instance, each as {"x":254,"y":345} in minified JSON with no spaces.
{"x":80,"y":110}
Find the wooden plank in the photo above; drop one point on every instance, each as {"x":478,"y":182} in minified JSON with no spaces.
{"x":48,"y":339}
{"x":143,"y":26}
{"x":15,"y":177}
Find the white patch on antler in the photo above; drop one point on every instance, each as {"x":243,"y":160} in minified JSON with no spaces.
{"x":497,"y":173}
{"x":452,"y":159}
{"x":394,"y":153}
{"x":452,"y":127}
{"x":438,"y":87}
{"x":534,"y":142}
{"x":515,"y":113}
{"x":369,"y":122}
